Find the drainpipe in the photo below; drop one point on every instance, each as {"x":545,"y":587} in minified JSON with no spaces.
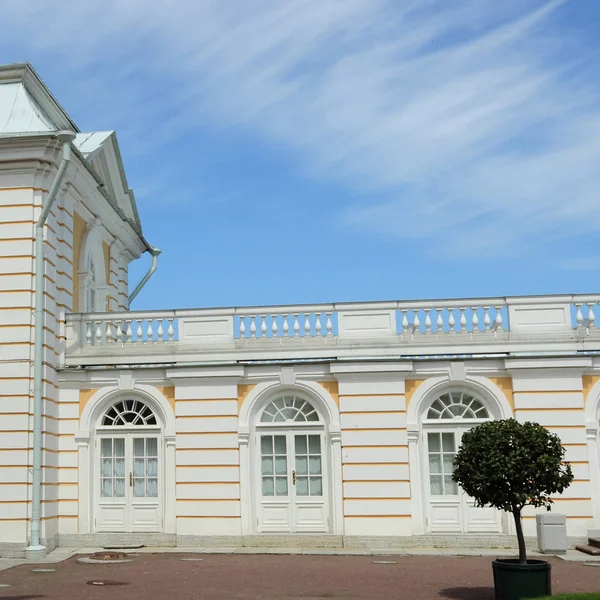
{"x":35,"y":549}
{"x":138,"y":288}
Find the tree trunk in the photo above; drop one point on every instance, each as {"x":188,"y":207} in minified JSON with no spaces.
{"x":520,"y":537}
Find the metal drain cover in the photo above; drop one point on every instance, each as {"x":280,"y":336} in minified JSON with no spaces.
{"x":192,"y":559}
{"x":4,"y":585}
{"x":108,"y":555}
{"x":43,"y":570}
{"x":385,"y":562}
{"x":106,"y":582}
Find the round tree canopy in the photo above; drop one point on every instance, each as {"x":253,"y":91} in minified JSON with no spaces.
{"x":508,"y":465}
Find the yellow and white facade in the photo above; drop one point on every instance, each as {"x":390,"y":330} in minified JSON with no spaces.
{"x":326,"y":424}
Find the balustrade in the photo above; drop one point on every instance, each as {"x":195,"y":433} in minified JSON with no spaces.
{"x":452,"y":318}
{"x":301,"y":324}
{"x":107,"y":329}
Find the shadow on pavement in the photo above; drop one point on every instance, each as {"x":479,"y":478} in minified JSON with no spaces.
{"x":468,"y":593}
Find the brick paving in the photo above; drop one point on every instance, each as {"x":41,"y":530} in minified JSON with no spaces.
{"x":277,"y":577}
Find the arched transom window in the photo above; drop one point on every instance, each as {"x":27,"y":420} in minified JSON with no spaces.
{"x":128,"y":413}
{"x":290,"y":409}
{"x":457,"y":405}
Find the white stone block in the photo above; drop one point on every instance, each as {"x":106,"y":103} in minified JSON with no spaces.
{"x":206,"y":424}
{"x":206,"y":407}
{"x":209,"y":526}
{"x":375,"y":455}
{"x":552,"y":417}
{"x":375,"y":472}
{"x":377,"y":507}
{"x":374,"y":438}
{"x":373,"y":420}
{"x":384,"y":526}
{"x":207,"y":457}
{"x":229,"y":473}
{"x":210,"y":508}
{"x":372,"y":403}
{"x":551,"y":400}
{"x":387,"y":489}
{"x":216,"y":491}
{"x":207,"y":441}
{"x":366,"y":323}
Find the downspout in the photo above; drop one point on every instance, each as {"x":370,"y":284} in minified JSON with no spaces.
{"x":35,"y":549}
{"x":138,"y":288}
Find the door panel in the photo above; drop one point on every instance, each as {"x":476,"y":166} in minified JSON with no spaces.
{"x":129,"y":486}
{"x":292,"y":497}
{"x":450,"y":509}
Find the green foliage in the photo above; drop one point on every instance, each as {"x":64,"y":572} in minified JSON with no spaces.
{"x":571,"y":597}
{"x":508,"y":465}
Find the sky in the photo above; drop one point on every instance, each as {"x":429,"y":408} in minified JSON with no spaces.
{"x":304,"y":151}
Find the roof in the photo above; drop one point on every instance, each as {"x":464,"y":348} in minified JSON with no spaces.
{"x":28,"y":107}
{"x":26,"y":104}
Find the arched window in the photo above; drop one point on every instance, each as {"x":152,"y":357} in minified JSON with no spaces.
{"x":290,"y":410}
{"x":457,"y":405}
{"x":128,"y":413}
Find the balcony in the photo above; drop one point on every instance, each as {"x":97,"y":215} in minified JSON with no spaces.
{"x":511,"y":326}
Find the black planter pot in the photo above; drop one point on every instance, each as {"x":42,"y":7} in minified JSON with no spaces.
{"x":513,"y":581}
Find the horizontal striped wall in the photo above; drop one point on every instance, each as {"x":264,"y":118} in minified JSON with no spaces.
{"x":376,"y":488}
{"x":207,"y":459}
{"x":557,"y":403}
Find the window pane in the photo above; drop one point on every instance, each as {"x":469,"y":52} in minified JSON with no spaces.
{"x":451,"y":487}
{"x":301,"y":447}
{"x":281,"y":465}
{"x":448,"y":442}
{"x":433,"y":440}
{"x":152,"y":467}
{"x":119,"y":447}
{"x":153,"y":487}
{"x":119,"y":467}
{"x":107,"y":488}
{"x":313,"y":416}
{"x":267,"y":465}
{"x":302,"y":486}
{"x":106,"y":447}
{"x":316,"y":486}
{"x":119,"y":488}
{"x":314,"y":465}
{"x":139,"y":487}
{"x":107,"y":467}
{"x":448,"y":463}
{"x":280,"y":447}
{"x":138,"y":447}
{"x":281,"y":486}
{"x":139,"y":468}
{"x":435,"y":464}
{"x":266,"y":444}
{"x":151,"y":447}
{"x":314,"y":444}
{"x":435,"y":483}
{"x":289,"y":413}
{"x":301,"y":465}
{"x":267,"y":486}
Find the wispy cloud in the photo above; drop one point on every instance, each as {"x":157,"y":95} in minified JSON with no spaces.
{"x":466,"y":121}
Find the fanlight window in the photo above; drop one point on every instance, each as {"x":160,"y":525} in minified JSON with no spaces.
{"x":128,"y":413}
{"x":289,"y":409}
{"x":457,"y":405}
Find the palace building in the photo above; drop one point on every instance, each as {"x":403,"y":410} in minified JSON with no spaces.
{"x":324,"y":425}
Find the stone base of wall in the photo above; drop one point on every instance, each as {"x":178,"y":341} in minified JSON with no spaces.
{"x":17,"y":550}
{"x":100,"y":540}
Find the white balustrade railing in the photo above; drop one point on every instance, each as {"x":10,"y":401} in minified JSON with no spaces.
{"x":283,"y":324}
{"x":584,"y":314}
{"x":128,"y":328}
{"x":464,"y":316}
{"x":427,"y":321}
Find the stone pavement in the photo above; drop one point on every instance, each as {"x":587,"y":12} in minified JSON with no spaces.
{"x":61,"y":554}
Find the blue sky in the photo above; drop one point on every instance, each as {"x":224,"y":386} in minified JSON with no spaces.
{"x":337,"y":150}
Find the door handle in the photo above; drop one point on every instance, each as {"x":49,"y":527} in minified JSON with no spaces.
{"x":294,"y":477}
{"x":130,"y":479}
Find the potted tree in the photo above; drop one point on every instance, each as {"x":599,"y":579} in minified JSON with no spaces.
{"x":510,"y":465}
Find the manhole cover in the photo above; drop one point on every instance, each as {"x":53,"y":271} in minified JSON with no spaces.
{"x":385,"y":562}
{"x":43,"y":570}
{"x":106,"y":582}
{"x":108,"y":555}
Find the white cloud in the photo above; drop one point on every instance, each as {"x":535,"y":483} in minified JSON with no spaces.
{"x":464,"y":119}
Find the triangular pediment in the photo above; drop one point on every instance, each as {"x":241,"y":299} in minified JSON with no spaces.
{"x":101,"y":150}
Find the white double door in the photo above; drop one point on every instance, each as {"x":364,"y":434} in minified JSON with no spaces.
{"x":449,"y":509}
{"x":291,"y":476}
{"x":128,"y":483}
